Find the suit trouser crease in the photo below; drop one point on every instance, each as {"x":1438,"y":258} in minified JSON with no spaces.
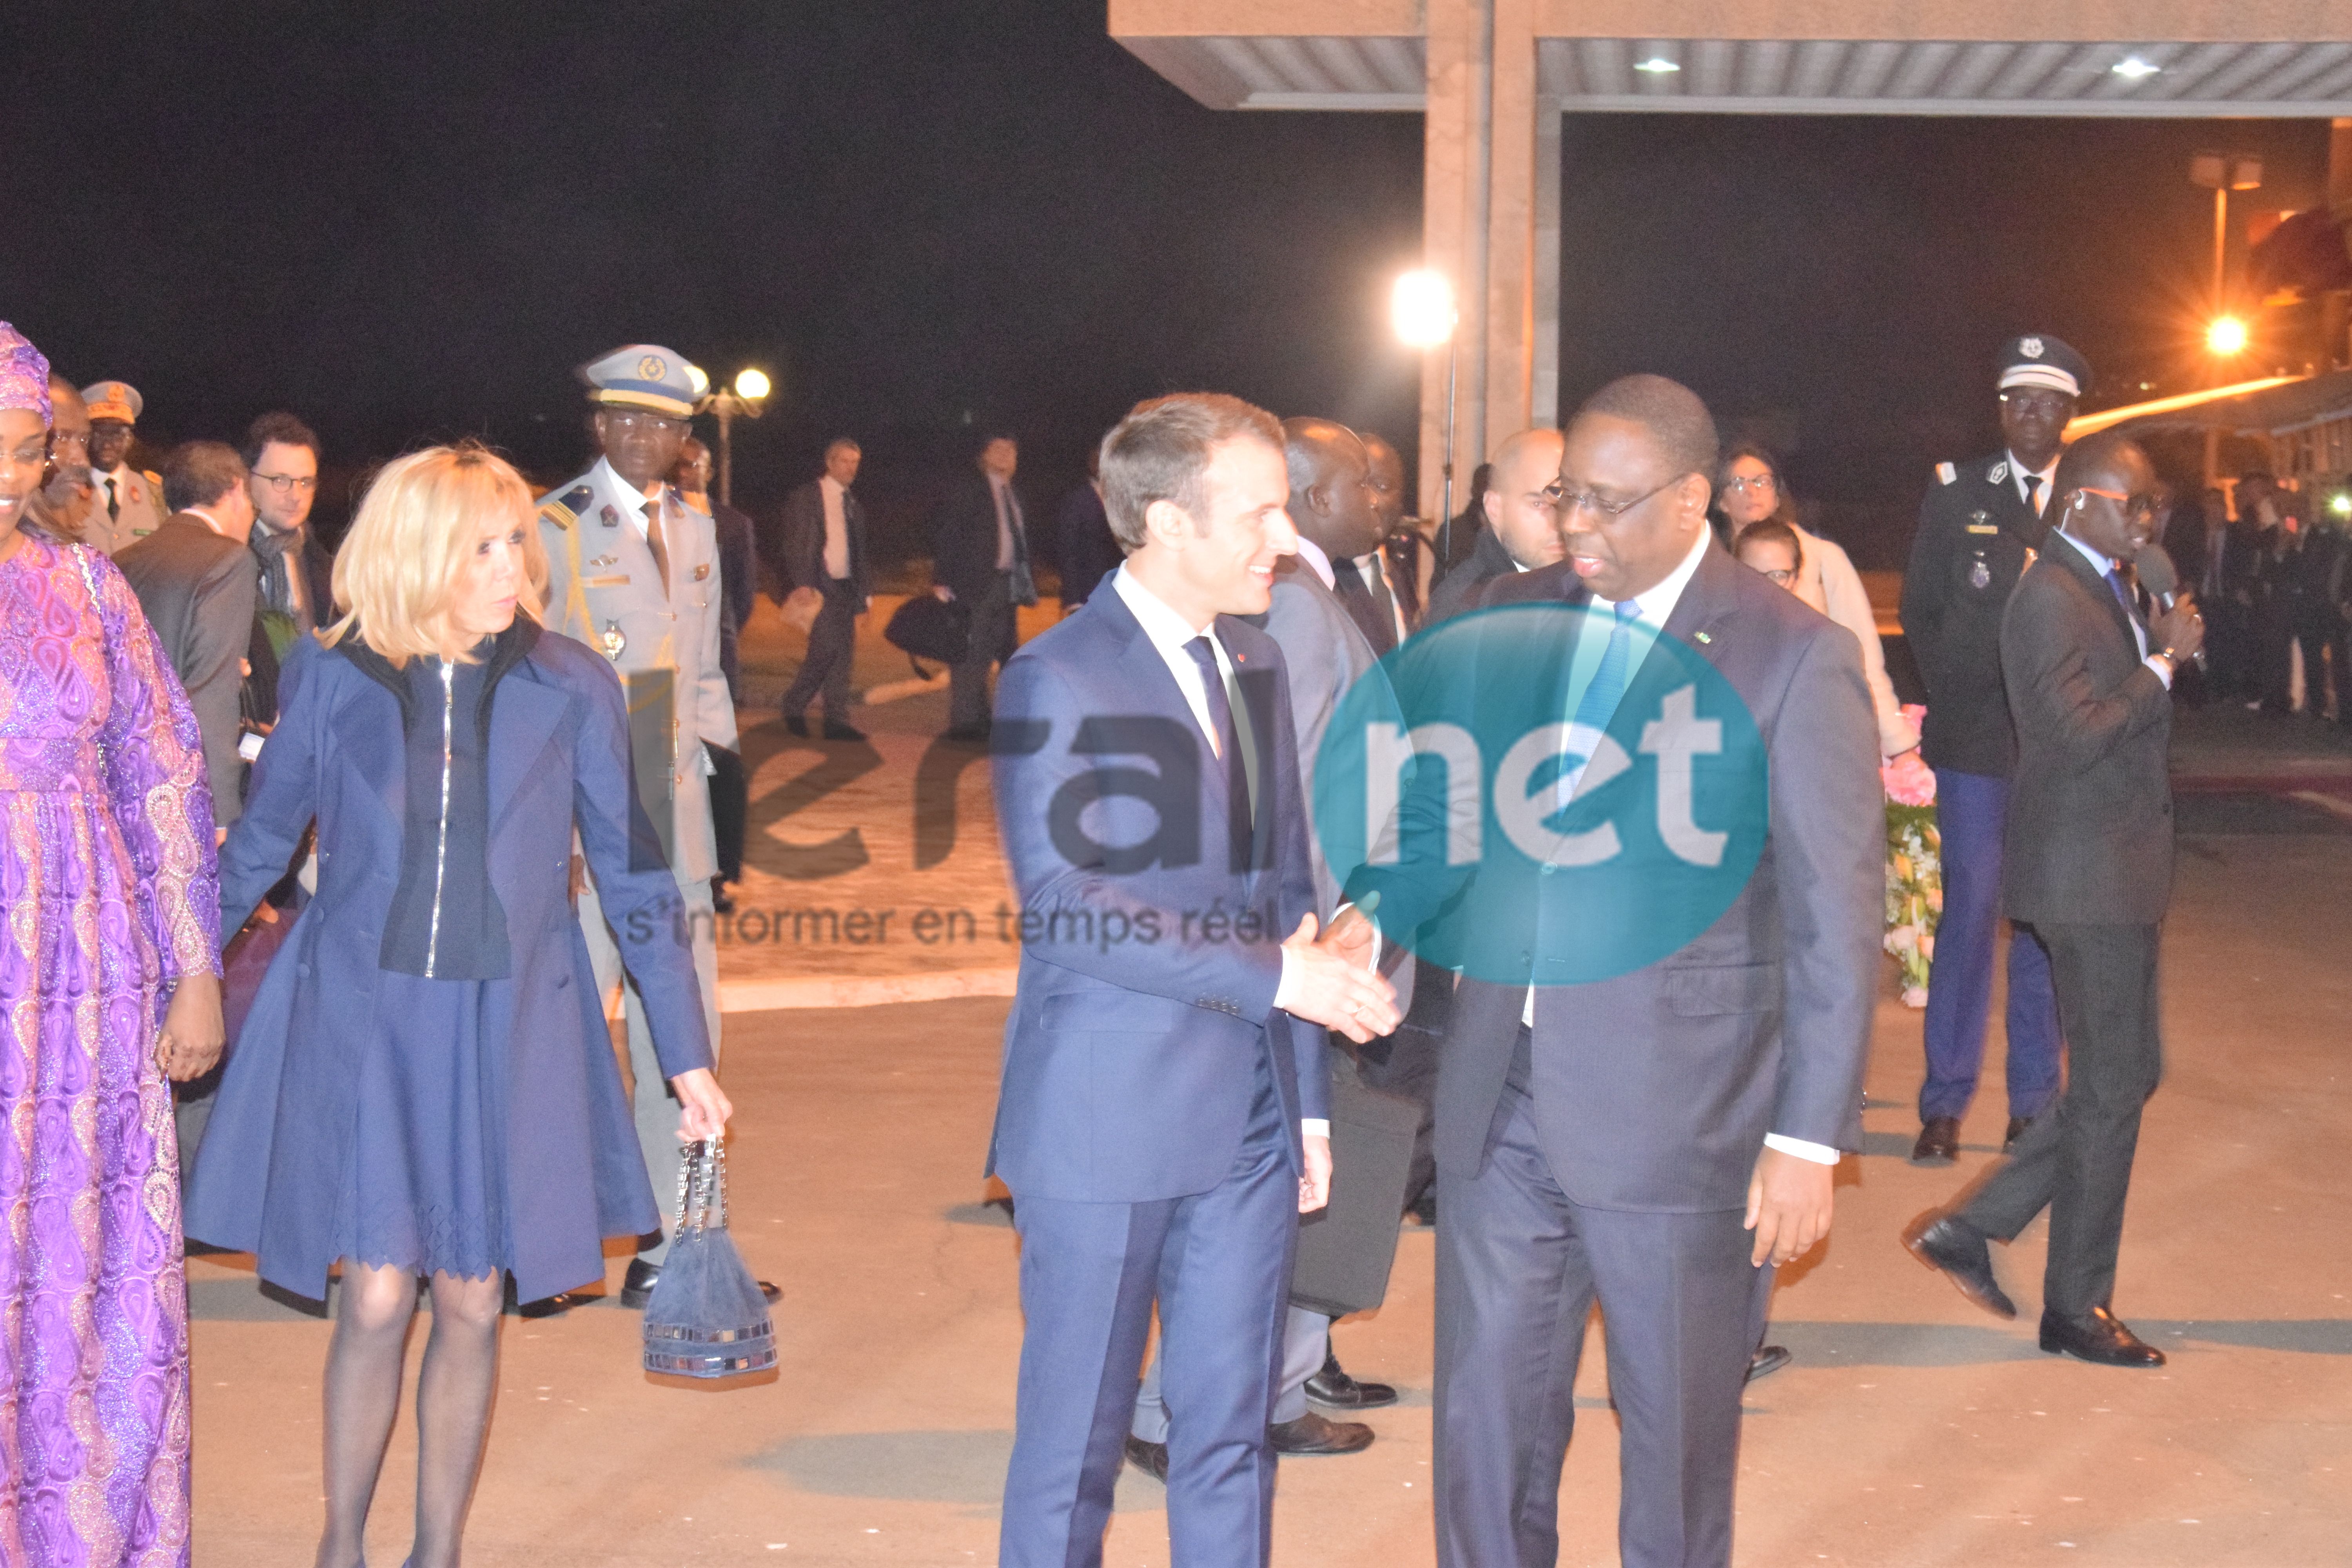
{"x":655,"y":1106}
{"x":2078,"y":1163}
{"x":1971,"y":814}
{"x":831,"y":653}
{"x":1520,"y":1265}
{"x":1217,"y":1263}
{"x":992,"y":631}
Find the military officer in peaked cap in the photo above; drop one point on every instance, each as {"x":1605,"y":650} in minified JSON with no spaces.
{"x":1980,"y":525}
{"x":126,"y":504}
{"x":633,"y":571}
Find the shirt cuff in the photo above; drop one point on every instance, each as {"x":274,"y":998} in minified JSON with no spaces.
{"x":1313,"y":1127}
{"x":1282,"y":996}
{"x":1819,"y":1153}
{"x":2163,"y":668}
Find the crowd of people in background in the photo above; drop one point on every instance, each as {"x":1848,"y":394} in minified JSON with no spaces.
{"x":2272,"y":565}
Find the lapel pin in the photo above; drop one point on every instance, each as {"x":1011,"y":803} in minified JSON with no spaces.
{"x":1703,"y":637}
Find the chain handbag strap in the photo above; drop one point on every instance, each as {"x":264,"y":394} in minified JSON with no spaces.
{"x":702,"y":1186}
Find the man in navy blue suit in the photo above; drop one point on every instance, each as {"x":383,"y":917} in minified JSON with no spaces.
{"x":1163,"y":1116}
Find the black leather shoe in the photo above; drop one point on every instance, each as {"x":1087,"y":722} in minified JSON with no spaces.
{"x":637,"y":1289}
{"x":968,"y":734}
{"x":1423,"y":1208}
{"x":2098,"y":1336}
{"x":1310,"y":1434}
{"x":1767,"y":1360}
{"x":1152,"y":1458}
{"x":1333,"y":1387}
{"x":1939,"y":1142}
{"x":1960,"y":1255}
{"x":2017,"y":1126}
{"x":720,"y":902}
{"x":836,"y":730}
{"x":796,"y":725}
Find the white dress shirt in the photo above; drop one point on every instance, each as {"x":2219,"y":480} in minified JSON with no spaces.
{"x":2103,"y":565}
{"x":636,"y":514}
{"x":1653,"y":605}
{"x":1169,"y":632}
{"x":836,"y":527}
{"x":2040,"y":498}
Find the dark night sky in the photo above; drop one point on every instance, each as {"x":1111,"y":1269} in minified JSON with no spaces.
{"x":406,"y":221}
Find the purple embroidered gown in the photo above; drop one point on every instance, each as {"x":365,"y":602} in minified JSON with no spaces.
{"x":109,"y":889}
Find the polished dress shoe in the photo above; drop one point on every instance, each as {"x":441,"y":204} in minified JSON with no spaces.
{"x":1152,"y":1458}
{"x":1767,"y":1360}
{"x":720,"y":902}
{"x":1424,"y":1207}
{"x":836,"y":731}
{"x":637,"y":1288}
{"x":1939,"y":1142}
{"x":968,"y":734}
{"x":2017,"y":1126}
{"x":2098,"y":1336}
{"x":796,"y":725}
{"x":1960,"y":1255}
{"x":1334,"y":1387}
{"x":1310,"y":1434}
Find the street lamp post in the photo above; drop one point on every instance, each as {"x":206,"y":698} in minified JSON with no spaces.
{"x":748,"y":397}
{"x":2225,"y":335}
{"x":1421,"y":308}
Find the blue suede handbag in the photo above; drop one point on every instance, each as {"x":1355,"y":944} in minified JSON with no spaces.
{"x":706,"y":1317}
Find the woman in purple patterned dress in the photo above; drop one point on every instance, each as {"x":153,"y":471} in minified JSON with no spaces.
{"x":109,"y":965}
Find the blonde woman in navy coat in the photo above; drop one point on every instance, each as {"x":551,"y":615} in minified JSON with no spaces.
{"x":426,"y":1086}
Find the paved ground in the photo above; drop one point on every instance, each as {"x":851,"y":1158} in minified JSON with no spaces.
{"x":1911,"y":1431}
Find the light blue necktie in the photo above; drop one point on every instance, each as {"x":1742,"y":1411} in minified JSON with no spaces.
{"x":1608,"y":685}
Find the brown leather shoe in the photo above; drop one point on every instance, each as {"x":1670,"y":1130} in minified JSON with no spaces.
{"x":2099,"y":1337}
{"x":1311,"y":1434}
{"x":1939,"y":1142}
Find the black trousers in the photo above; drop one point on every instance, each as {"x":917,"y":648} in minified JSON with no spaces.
{"x":832,"y":649}
{"x":2077,"y":1162}
{"x":730,"y":806}
{"x":992,"y":640}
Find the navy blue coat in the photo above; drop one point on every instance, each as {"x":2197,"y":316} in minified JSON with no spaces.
{"x":276,"y":1152}
{"x":1145,"y":1006}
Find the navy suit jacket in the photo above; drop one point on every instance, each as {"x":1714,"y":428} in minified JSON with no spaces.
{"x":277,"y":1147}
{"x":1145,"y":1009}
{"x":1654,"y":1090}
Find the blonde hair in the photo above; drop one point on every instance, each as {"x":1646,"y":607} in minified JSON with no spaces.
{"x":396,"y":571}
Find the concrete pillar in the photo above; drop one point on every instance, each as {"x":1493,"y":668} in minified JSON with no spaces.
{"x":1543,"y":401}
{"x":1510,"y":225}
{"x":1460,"y":48}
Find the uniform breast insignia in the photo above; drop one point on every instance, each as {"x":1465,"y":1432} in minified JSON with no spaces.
{"x":1946,"y":473}
{"x":613,"y":639}
{"x":1980,"y":522}
{"x":616,"y":580}
{"x":1996,"y":473}
{"x":1979,"y":574}
{"x":610,"y":516}
{"x":615,"y":560}
{"x":702,"y":571}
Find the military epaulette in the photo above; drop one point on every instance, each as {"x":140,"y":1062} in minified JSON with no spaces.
{"x":157,"y":480}
{"x":1946,"y":473}
{"x":564,"y":511}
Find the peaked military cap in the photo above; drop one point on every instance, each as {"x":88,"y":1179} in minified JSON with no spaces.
{"x":114,"y":400}
{"x":646,"y":375}
{"x":2037,"y":359}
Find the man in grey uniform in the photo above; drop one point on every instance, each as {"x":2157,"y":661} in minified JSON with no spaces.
{"x":128,"y":503}
{"x":633,"y":571}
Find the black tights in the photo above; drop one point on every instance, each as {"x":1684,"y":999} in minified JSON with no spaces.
{"x":452,"y":1406}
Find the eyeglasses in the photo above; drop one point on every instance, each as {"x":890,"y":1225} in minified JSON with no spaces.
{"x":2026,"y":400}
{"x":288,"y":484}
{"x":2134,"y":506}
{"x":1566,"y":503}
{"x":653,"y":424}
{"x":1755,"y":483}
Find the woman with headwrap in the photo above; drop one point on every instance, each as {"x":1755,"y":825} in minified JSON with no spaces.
{"x":426,"y":1086}
{"x":108,"y":982}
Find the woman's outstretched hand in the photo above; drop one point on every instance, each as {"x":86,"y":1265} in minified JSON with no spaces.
{"x":193,"y":1035}
{"x":703,"y":1108}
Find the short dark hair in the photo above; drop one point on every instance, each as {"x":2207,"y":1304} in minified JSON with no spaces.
{"x":278,"y":429}
{"x":990,"y":436}
{"x":198,"y":473}
{"x":1672,"y":414}
{"x":1161,"y":452}
{"x":1771,"y":531}
{"x":838,"y":442}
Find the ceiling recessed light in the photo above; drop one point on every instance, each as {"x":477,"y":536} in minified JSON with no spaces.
{"x":1657,"y":65}
{"x":2134,"y":68}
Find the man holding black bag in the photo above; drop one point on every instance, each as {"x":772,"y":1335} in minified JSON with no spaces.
{"x":980,"y":558}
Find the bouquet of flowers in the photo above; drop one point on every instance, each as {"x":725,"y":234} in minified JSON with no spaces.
{"x":1914,"y":867}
